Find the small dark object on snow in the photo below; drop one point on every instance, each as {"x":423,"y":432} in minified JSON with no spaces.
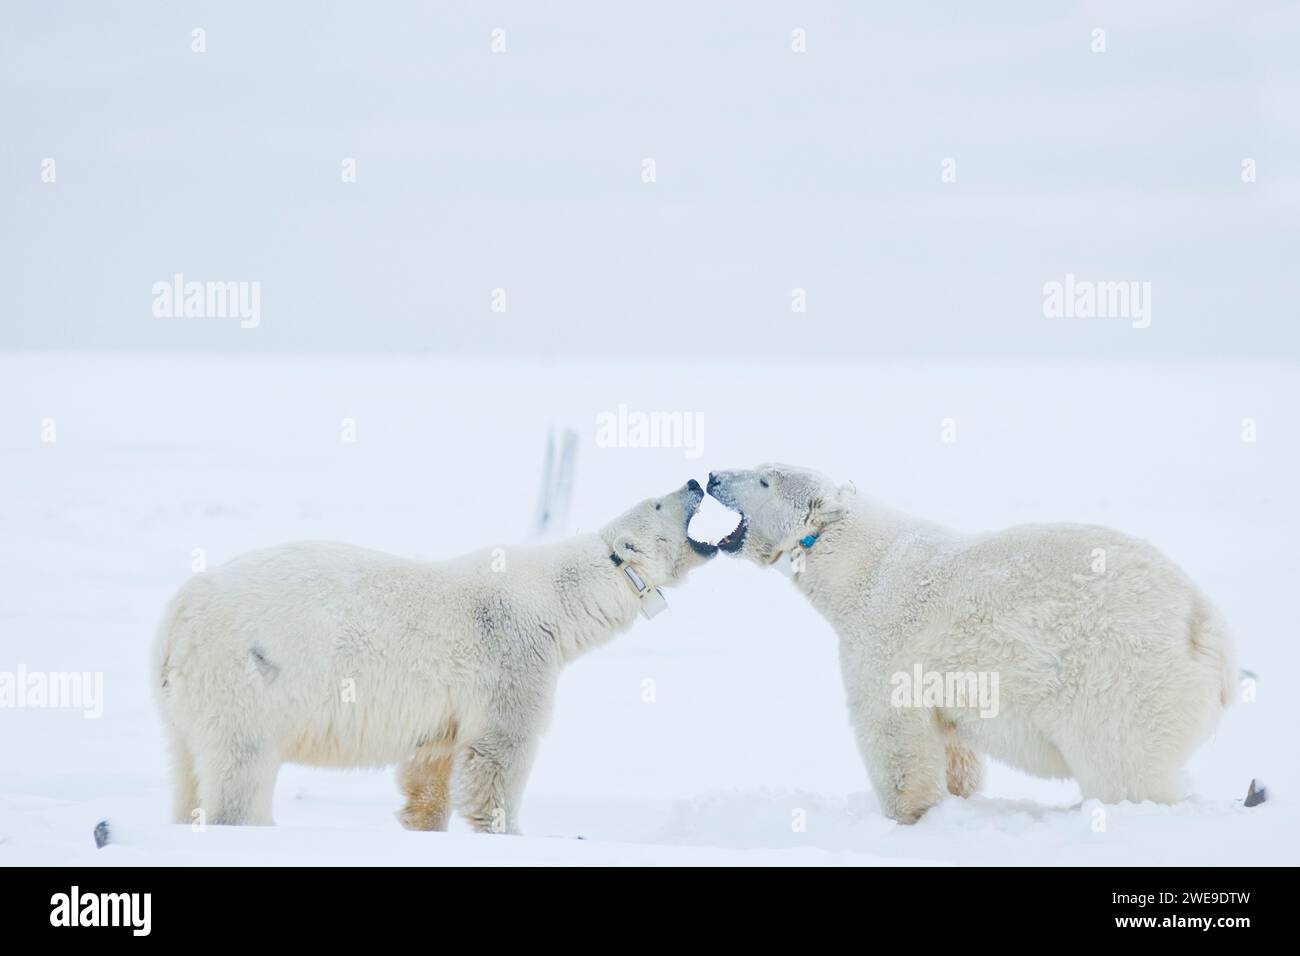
{"x":102,"y":835}
{"x":1257,"y":794}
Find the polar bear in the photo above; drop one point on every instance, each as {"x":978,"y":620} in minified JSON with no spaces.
{"x":1062,"y":650}
{"x":336,"y":656}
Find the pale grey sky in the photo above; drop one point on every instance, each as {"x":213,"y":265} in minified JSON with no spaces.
{"x":775,"y":171}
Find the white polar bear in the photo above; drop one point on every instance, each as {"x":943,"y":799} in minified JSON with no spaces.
{"x":336,"y":656}
{"x":1105,"y":662}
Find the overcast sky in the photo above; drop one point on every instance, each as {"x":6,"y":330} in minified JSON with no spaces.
{"x":774,"y":171}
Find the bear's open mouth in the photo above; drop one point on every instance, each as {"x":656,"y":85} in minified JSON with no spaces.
{"x":732,"y":542}
{"x":705,"y":549}
{"x":702,"y":548}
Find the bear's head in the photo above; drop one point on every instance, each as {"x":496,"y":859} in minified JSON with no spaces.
{"x":779,"y":506}
{"x":651,"y":537}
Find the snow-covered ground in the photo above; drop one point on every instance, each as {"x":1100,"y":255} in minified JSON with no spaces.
{"x":716,"y":733}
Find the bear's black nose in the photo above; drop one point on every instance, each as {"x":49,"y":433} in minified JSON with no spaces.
{"x":694,"y":485}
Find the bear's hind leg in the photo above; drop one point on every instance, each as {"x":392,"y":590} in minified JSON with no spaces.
{"x":235,"y":789}
{"x":185,"y":786}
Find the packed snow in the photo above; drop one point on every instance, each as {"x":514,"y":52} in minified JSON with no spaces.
{"x":714,"y":734}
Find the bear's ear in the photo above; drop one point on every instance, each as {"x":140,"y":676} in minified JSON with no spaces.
{"x":824,"y":510}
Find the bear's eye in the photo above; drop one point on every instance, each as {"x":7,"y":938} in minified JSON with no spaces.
{"x":628,"y":546}
{"x":658,"y":506}
{"x":763,"y":482}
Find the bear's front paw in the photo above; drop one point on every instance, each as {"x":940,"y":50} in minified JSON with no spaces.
{"x":414,"y":819}
{"x":908,"y":815}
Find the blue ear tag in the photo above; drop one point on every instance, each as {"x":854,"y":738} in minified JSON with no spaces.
{"x":808,"y":540}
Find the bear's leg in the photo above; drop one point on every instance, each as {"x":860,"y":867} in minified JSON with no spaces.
{"x":185,"y":786}
{"x":491,"y":781}
{"x":426,"y":782}
{"x":965,"y":768}
{"x":235,"y":787}
{"x":906,"y":760}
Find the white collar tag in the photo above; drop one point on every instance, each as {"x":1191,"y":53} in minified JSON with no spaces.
{"x":798,"y":559}
{"x":653,"y":601}
{"x":786,"y":566}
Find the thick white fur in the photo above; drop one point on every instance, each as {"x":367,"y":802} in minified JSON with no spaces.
{"x":1109,"y":676}
{"x":336,"y":656}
